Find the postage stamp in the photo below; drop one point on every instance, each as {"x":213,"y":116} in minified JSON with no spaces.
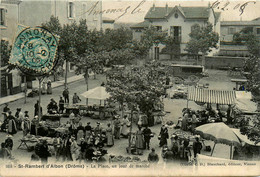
{"x":35,"y":49}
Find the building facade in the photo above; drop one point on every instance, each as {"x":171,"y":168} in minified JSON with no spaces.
{"x":229,"y":28}
{"x":176,"y":21}
{"x":34,"y":13}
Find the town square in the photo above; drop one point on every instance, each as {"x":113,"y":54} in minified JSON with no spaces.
{"x":141,"y":85}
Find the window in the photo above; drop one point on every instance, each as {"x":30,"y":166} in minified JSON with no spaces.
{"x":71,"y":10}
{"x":158,"y":28}
{"x":2,"y":17}
{"x":176,"y":15}
{"x":258,"y":31}
{"x":156,"y":53}
{"x":175,"y":31}
{"x":231,"y":30}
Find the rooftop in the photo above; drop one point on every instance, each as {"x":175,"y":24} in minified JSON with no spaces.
{"x":188,"y":12}
{"x":240,"y":23}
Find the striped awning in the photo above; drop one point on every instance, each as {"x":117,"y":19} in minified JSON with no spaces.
{"x":211,"y":96}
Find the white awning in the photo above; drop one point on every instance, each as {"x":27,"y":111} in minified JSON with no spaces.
{"x":223,"y":97}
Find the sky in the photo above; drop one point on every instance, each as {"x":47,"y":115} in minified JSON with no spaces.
{"x":134,"y":11}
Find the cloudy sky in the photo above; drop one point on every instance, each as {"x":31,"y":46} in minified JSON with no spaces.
{"x":134,"y":11}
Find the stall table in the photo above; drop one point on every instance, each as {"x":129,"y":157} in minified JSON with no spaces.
{"x":53,"y":120}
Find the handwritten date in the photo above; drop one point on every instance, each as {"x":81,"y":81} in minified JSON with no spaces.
{"x":227,"y":5}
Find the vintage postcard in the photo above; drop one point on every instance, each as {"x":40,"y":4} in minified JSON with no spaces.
{"x":129,"y":88}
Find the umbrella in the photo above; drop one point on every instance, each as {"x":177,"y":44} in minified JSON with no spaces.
{"x":98,"y":93}
{"x":219,"y":133}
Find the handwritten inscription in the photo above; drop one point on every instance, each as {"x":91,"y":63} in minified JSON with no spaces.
{"x":93,"y":10}
{"x":241,"y":7}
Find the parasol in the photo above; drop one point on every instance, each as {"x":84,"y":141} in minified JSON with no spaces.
{"x":219,"y":133}
{"x":98,"y":93}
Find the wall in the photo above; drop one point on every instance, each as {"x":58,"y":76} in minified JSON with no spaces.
{"x":11,"y":16}
{"x":217,"y":62}
{"x":43,"y":10}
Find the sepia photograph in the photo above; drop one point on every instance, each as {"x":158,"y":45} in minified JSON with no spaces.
{"x":129,"y":88}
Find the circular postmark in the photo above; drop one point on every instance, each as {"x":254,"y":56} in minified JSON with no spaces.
{"x":34,"y":51}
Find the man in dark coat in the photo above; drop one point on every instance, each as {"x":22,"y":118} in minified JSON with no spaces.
{"x":197,"y":146}
{"x":147,"y":137}
{"x":65,"y":94}
{"x":44,"y":152}
{"x":61,"y":105}
{"x":164,"y":136}
{"x":36,"y":108}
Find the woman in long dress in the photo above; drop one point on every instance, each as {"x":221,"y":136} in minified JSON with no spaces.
{"x":11,"y":124}
{"x":139,"y":141}
{"x":125,"y":128}
{"x":109,"y":135}
{"x":80,"y":133}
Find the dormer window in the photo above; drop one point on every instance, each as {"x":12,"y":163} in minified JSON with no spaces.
{"x":176,"y":15}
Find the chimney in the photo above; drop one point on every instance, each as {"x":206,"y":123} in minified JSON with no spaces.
{"x":166,"y":7}
{"x":153,"y":6}
{"x":209,"y":5}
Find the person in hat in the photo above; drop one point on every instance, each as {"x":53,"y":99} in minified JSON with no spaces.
{"x":65,"y":94}
{"x":88,"y":129}
{"x":74,"y":148}
{"x":125,"y":129}
{"x":175,"y":147}
{"x":52,"y":107}
{"x":44,"y":152}
{"x":80,"y":132}
{"x":168,"y":156}
{"x":117,"y":127}
{"x":98,"y":129}
{"x":9,"y":142}
{"x":20,"y":119}
{"x":147,"y":137}
{"x":61,"y":105}
{"x":139,"y":141}
{"x":164,"y":136}
{"x":109,"y":135}
{"x":82,"y":151}
{"x":11,"y":124}
{"x":36,"y":109}
{"x":26,"y":126}
{"x":34,"y":125}
{"x":49,"y":89}
{"x":153,"y":157}
{"x":75,"y":99}
{"x":6,"y":108}
{"x":197,"y":146}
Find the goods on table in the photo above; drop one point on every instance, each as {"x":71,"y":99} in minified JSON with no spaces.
{"x":120,"y":158}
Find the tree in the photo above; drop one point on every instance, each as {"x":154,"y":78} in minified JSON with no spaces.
{"x":248,"y":38}
{"x":5,"y":50}
{"x":202,"y":39}
{"x":139,"y":87}
{"x":172,"y":46}
{"x":66,"y":47}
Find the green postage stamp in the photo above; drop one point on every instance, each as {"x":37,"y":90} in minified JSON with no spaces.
{"x":34,"y":49}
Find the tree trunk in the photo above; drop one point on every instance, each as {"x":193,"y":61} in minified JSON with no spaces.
{"x":130,"y":133}
{"x":25,"y":89}
{"x":66,"y":73}
{"x":86,"y":79}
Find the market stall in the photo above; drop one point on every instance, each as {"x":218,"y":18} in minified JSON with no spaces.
{"x":98,"y":93}
{"x":219,"y":133}
{"x":52,"y":120}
